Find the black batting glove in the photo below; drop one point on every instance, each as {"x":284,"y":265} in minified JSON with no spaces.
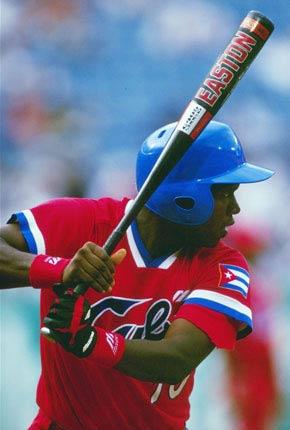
{"x":68,"y":321}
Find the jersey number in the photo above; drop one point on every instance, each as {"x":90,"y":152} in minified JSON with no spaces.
{"x":173,"y":390}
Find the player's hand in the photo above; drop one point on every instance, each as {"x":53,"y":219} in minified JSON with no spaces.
{"x":92,"y":266}
{"x":68,"y":321}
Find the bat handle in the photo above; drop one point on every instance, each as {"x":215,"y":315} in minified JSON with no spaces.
{"x":109,"y":247}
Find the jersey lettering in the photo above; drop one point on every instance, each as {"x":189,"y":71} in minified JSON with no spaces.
{"x":156,"y":318}
{"x":117,"y":305}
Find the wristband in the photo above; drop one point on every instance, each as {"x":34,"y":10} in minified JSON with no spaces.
{"x":109,"y":348}
{"x":45,"y":271}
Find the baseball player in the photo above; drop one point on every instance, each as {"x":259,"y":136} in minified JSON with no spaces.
{"x":124,"y":355}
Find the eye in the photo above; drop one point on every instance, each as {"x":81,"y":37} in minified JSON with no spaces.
{"x":226,"y":194}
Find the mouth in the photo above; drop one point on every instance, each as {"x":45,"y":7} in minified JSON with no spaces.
{"x":225,"y":228}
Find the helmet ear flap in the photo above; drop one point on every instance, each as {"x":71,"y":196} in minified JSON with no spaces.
{"x":204,"y":203}
{"x":193,"y":205}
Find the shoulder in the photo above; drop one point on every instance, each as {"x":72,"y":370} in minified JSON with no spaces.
{"x":103,"y":210}
{"x":109,"y":210}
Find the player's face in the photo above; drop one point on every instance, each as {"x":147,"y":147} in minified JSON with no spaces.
{"x":215,"y":228}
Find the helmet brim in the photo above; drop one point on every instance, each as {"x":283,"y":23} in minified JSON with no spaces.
{"x":245,"y":173}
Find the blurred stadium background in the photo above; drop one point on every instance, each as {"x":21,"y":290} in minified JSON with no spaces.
{"x":82,"y":84}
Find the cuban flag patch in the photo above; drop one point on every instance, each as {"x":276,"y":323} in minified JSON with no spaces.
{"x":234,"y":278}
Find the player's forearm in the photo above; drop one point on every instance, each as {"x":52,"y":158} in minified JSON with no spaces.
{"x":156,"y":361}
{"x":14,"y":266}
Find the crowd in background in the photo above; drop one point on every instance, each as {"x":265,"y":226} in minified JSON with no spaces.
{"x":83,"y":82}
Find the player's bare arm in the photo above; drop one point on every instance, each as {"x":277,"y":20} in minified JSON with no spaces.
{"x":90,"y":264}
{"x":169,"y":360}
{"x":15,"y":260}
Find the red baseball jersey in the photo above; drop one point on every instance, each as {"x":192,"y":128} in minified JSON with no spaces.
{"x":210,"y":290}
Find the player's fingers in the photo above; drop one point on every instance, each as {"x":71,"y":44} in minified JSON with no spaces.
{"x":96,"y":268}
{"x":119,"y":256}
{"x":93,"y":260}
{"x":56,"y":336}
{"x":79,"y":270}
{"x":97,"y":251}
{"x":60,"y":289}
{"x":63,"y":306}
{"x":66,"y":303}
{"x":52,"y":323}
{"x":94,"y":280}
{"x":61,"y":317}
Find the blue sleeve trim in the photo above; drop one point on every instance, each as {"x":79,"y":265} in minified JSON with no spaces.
{"x":225,"y":310}
{"x":25,"y":230}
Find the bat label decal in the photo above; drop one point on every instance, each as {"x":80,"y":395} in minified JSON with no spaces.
{"x":192,"y":115}
{"x":224,"y":70}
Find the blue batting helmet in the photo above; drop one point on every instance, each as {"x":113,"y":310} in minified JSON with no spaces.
{"x":216,"y":157}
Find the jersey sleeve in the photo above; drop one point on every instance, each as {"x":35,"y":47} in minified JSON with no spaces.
{"x":219,"y":303}
{"x":58,"y":227}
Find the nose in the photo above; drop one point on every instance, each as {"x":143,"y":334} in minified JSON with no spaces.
{"x":234,"y":206}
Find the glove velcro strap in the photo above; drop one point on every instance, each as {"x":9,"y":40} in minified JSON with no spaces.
{"x":109,"y":348}
{"x":45,"y":271}
{"x":75,"y":324}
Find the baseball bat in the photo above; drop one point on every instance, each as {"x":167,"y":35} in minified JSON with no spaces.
{"x":230,"y":66}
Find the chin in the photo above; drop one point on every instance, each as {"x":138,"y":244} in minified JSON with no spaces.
{"x":212,"y":242}
{"x":208,"y":242}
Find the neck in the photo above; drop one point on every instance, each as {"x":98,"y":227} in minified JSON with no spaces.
{"x":158,"y":235}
